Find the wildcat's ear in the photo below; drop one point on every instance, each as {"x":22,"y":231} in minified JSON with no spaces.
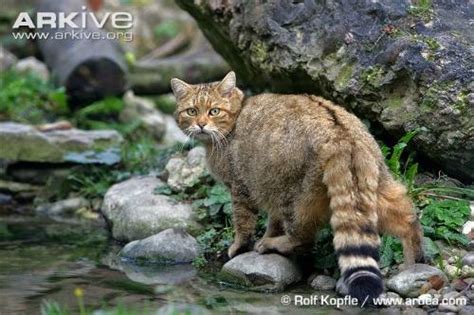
{"x":180,"y":88}
{"x":227,"y":84}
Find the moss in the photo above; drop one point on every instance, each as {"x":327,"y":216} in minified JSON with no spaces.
{"x":394,"y":102}
{"x":431,"y":96}
{"x":462,"y":101}
{"x":344,"y":76}
{"x":373,"y":75}
{"x":258,"y":52}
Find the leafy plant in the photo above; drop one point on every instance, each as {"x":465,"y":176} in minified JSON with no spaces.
{"x":391,"y":251}
{"x":403,"y":171}
{"x":26,"y":98}
{"x":443,"y":220}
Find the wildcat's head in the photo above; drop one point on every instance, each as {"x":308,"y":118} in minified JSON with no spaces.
{"x":208,"y":111}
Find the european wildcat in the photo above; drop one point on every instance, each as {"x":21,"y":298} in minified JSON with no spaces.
{"x":305,"y":161}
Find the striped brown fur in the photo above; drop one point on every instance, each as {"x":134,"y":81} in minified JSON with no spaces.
{"x":306,"y":162}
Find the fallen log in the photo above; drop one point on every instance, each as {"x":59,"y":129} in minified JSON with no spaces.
{"x":89,"y":68}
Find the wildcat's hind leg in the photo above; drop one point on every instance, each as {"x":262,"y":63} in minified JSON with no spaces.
{"x":274,"y":228}
{"x":300,"y":226}
{"x":398,"y":218}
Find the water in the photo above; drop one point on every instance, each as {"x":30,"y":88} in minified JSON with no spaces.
{"x":42,"y":260}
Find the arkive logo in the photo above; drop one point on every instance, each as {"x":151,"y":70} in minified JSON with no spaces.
{"x":75,"y":20}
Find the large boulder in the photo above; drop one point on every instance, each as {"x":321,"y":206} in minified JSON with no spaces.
{"x":25,"y":143}
{"x":270,"y":272}
{"x":396,"y":64}
{"x":135,"y":212}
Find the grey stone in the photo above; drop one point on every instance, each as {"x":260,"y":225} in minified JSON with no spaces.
{"x":136,"y":212}
{"x":34,"y":66}
{"x":467,"y":271}
{"x":186,"y":172}
{"x":466,"y":310}
{"x":391,"y":311}
{"x":168,"y":246}
{"x":16,"y":187}
{"x":182,"y":308}
{"x":25,"y":143}
{"x":414,"y":311}
{"x":5,"y":199}
{"x":454,"y":304}
{"x":139,"y":109}
{"x":7,"y":59}
{"x":38,"y":175}
{"x":323,"y":283}
{"x":151,"y":274}
{"x":65,"y":207}
{"x":270,"y":272}
{"x":341,"y":287}
{"x":468,"y":259}
{"x":418,"y":78}
{"x":409,"y":282}
{"x":173,"y":134}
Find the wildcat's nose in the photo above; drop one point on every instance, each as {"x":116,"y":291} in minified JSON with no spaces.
{"x":201,"y":124}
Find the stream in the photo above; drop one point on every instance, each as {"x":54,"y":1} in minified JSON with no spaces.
{"x":44,"y":260}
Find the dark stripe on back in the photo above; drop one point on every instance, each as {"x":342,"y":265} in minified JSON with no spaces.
{"x":362,"y":250}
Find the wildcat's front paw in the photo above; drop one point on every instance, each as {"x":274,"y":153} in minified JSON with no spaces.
{"x":237,"y":248}
{"x":262,"y":246}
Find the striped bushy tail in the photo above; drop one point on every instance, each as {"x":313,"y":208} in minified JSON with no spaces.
{"x":351,"y":176}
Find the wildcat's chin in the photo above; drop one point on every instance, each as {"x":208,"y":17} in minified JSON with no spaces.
{"x":203,"y":137}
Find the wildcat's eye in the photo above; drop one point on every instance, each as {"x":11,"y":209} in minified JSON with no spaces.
{"x":214,"y":111}
{"x":191,"y":111}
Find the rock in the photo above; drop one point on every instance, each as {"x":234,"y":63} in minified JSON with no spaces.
{"x":388,"y":61}
{"x":413,"y":311}
{"x":390,"y":311}
{"x":452,"y":303}
{"x":467,"y":272}
{"x":5,"y":199}
{"x":468,"y":259}
{"x":323,"y":283}
{"x":151,"y":274}
{"x":466,"y":310}
{"x":16,"y":187}
{"x":452,"y":271}
{"x":65,"y":207}
{"x":38,"y":175}
{"x":409,"y":282}
{"x":25,"y":143}
{"x":7,"y":59}
{"x":186,"y":172}
{"x":471,"y":206}
{"x":182,"y":308}
{"x":142,"y":110}
{"x":34,"y":66}
{"x":468,"y":229}
{"x":424,"y":299}
{"x":341,"y":287}
{"x":168,"y":246}
{"x":173,"y":134}
{"x":135,"y":212}
{"x":199,"y":63}
{"x":270,"y":272}
{"x":459,"y":284}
